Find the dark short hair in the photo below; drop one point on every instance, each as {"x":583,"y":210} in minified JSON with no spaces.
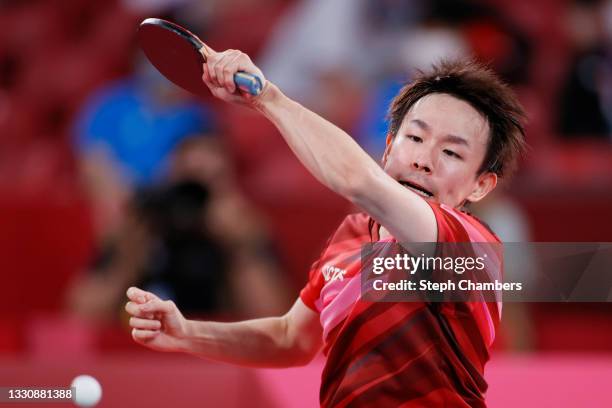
{"x":477,"y":85}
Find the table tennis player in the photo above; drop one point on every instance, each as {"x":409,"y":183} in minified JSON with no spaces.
{"x":454,"y":132}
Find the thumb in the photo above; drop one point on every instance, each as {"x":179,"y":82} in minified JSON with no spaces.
{"x":158,"y":306}
{"x":138,"y":295}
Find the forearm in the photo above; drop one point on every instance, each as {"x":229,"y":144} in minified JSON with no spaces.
{"x":328,"y":152}
{"x":256,"y":343}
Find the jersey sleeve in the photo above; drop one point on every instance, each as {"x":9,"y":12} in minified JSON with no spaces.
{"x":457,"y":226}
{"x":312,"y":290}
{"x":353,"y":230}
{"x":450,"y":229}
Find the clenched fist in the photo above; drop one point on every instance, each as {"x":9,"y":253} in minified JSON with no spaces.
{"x":219,"y":70}
{"x":156,"y":323}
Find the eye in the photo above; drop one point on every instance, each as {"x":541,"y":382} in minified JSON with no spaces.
{"x":414,"y":138}
{"x":452,"y":154}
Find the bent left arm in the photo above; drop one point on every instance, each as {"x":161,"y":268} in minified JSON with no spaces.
{"x":328,"y":152}
{"x":337,"y":161}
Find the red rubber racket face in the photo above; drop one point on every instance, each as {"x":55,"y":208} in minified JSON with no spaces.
{"x":175,"y":52}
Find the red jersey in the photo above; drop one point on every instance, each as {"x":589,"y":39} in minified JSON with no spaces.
{"x":403,"y":354}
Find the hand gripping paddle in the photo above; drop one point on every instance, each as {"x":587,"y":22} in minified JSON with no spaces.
{"x":178,"y":55}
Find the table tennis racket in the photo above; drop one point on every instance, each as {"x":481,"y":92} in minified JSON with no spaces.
{"x":179,"y":54}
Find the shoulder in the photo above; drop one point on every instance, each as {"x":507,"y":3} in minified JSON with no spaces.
{"x":456,"y":225}
{"x":356,"y":225}
{"x":344,"y":245}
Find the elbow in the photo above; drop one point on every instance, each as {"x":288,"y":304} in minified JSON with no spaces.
{"x":305,"y":355}
{"x":300,"y":348}
{"x":301,"y":351}
{"x":300,"y":357}
{"x":358,"y":187}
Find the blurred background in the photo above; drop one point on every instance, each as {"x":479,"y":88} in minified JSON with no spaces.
{"x":110,"y":176}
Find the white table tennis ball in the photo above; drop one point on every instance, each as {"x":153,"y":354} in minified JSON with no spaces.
{"x":87,"y":391}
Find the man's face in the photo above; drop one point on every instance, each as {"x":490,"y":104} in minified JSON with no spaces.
{"x":439,"y":148}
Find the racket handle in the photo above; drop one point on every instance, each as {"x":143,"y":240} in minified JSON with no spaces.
{"x":248,"y":83}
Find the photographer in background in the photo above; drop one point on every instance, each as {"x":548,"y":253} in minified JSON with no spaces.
{"x":193,"y":239}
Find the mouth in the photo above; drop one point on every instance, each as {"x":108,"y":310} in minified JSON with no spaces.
{"x":416,"y":188}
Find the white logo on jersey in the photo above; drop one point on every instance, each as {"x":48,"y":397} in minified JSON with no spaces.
{"x":331,"y":273}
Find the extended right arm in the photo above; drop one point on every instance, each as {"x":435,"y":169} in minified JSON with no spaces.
{"x":289,"y":340}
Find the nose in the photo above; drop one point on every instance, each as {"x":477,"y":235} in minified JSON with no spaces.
{"x":421,"y":165}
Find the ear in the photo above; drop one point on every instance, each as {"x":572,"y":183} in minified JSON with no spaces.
{"x":389,"y":142}
{"x":485,"y":183}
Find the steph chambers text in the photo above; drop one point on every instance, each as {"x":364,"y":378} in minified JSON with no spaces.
{"x":462,"y":285}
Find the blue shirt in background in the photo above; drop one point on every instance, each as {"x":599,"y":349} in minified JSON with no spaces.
{"x":138,"y":132}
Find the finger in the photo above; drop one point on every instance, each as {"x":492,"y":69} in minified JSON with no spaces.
{"x":205,"y":74}
{"x":212,"y":72}
{"x":138,"y":295}
{"x":204,"y":53}
{"x":144,"y":335}
{"x":206,"y":50}
{"x":245,"y":64}
{"x":229,"y":70}
{"x":221,"y":68}
{"x":135,"y":309}
{"x":144,"y":324}
{"x":157,"y":306}
{"x":207,"y":79}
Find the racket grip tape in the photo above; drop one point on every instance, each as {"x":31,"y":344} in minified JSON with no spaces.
{"x":248,"y":83}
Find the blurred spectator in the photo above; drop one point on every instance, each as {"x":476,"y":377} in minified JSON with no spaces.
{"x":436,"y":30}
{"x":585,"y":104}
{"x":324,"y":54}
{"x":311,"y":38}
{"x":193,"y":239}
{"x":367,"y":39}
{"x":124,"y":134}
{"x":490,"y":35}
